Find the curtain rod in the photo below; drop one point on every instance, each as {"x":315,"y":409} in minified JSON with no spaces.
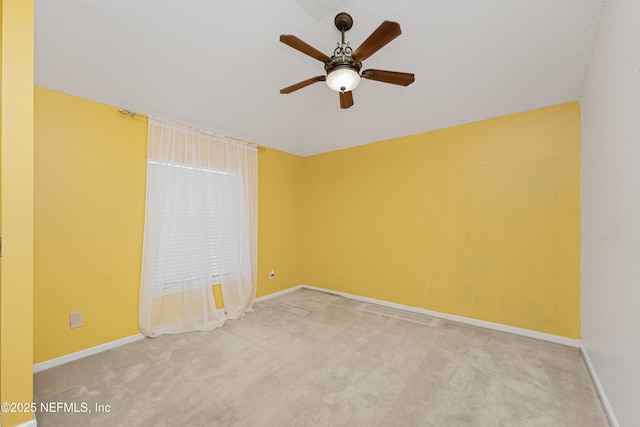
{"x":132,"y":114}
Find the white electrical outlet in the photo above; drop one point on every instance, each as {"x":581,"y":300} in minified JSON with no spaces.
{"x":75,"y":319}
{"x":272,"y":273}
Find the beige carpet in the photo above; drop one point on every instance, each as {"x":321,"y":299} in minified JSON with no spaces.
{"x":313,"y":359}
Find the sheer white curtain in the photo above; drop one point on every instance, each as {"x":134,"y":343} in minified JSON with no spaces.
{"x":200,"y":229}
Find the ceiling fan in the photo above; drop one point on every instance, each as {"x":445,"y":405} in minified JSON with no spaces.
{"x":343,"y":68}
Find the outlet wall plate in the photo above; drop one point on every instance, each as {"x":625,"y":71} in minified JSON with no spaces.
{"x":75,"y":319}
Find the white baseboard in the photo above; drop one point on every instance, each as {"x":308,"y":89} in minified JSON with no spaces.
{"x":276,"y":294}
{"x":30,"y":423}
{"x":38,"y":367}
{"x":475,"y":322}
{"x":596,"y":381}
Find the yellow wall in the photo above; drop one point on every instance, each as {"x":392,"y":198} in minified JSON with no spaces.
{"x":89,"y":219}
{"x":280,"y":221}
{"x":480,"y":220}
{"x":89,"y":215}
{"x":17,"y":141}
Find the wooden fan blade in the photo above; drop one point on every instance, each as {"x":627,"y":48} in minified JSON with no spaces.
{"x":303,"y":47}
{"x":386,"y":32}
{"x":302,"y":84}
{"x":393,"y":77}
{"x":346,"y":99}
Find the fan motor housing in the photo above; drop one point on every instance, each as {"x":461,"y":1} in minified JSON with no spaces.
{"x":342,"y":62}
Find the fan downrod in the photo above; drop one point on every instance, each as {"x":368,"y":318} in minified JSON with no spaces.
{"x":343,"y":21}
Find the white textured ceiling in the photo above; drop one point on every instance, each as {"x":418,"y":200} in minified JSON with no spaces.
{"x":219,"y":64}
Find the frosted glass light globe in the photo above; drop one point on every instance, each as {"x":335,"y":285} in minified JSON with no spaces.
{"x":343,"y":79}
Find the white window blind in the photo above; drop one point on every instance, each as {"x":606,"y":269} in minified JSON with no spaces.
{"x":199,"y":230}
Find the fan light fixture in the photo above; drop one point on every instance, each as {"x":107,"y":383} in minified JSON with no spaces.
{"x":343,"y":67}
{"x":343,"y":79}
